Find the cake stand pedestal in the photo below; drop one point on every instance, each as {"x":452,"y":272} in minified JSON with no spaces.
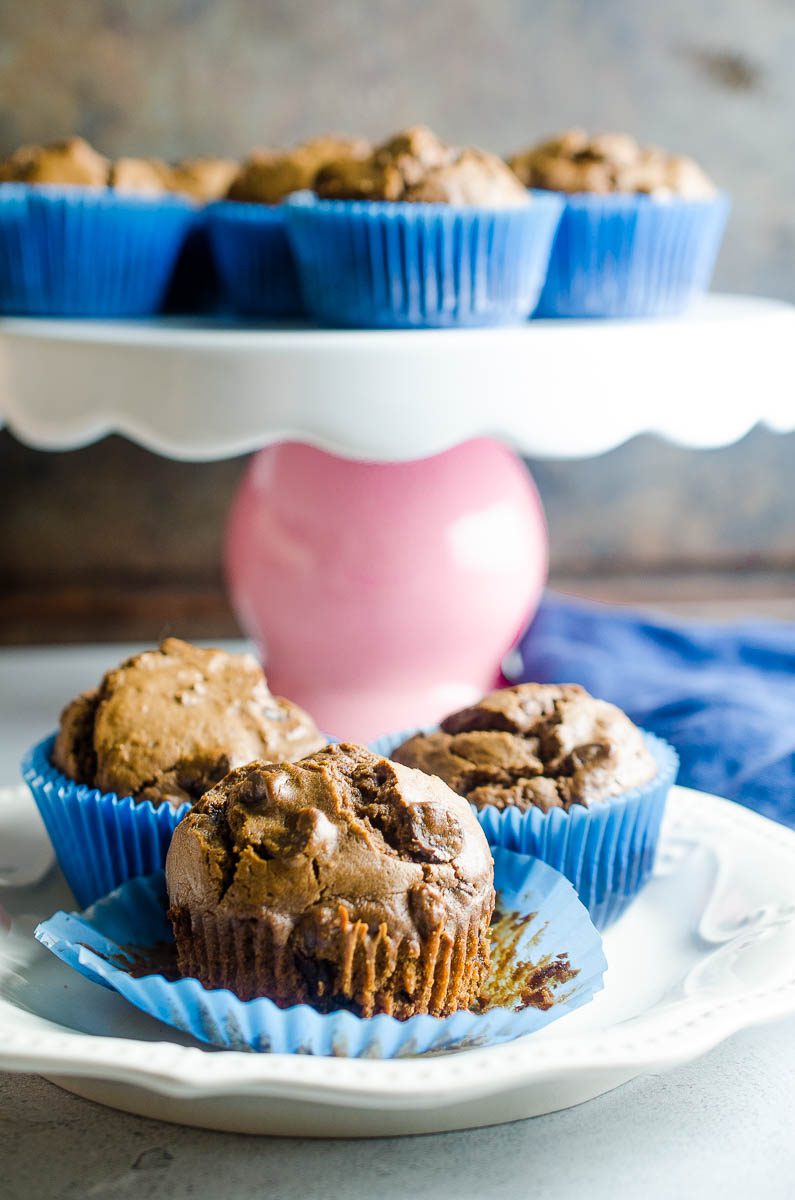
{"x":384,"y":550}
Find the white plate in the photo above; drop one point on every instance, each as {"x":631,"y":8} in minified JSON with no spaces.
{"x":202,"y":390}
{"x":708,"y":949}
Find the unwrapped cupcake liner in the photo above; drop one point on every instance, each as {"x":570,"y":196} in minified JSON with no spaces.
{"x":624,"y":255}
{"x":71,"y":251}
{"x":404,"y":265}
{"x":100,"y":839}
{"x":254,"y":259}
{"x":605,"y":849}
{"x":109,"y":942}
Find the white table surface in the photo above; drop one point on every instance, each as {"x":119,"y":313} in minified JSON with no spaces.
{"x":719,"y":1127}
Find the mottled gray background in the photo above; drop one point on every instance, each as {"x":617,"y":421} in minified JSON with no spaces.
{"x":112,"y":540}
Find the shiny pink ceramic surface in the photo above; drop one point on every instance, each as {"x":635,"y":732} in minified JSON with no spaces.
{"x":384,"y":595}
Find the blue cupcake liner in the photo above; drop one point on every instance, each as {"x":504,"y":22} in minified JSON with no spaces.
{"x":606,"y":850}
{"x":254,"y":259}
{"x":100,"y":839}
{"x":71,"y":251}
{"x":380,"y":264}
{"x":632,"y":255}
{"x":195,"y":285}
{"x":104,"y":942}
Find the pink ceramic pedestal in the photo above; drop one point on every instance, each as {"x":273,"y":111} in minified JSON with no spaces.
{"x":383,"y":595}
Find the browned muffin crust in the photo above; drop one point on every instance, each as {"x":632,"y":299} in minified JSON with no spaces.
{"x":74,"y":752}
{"x":71,"y":161}
{"x":169,"y":723}
{"x":534,"y":745}
{"x":415,"y":165}
{"x":139,"y":176}
{"x":267,"y":176}
{"x":342,"y":880}
{"x":609,"y":162}
{"x":205,"y":179}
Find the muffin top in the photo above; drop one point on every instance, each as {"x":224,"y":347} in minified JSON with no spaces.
{"x":71,"y":161}
{"x":342,"y":829}
{"x":415,"y":165}
{"x":535,"y":745}
{"x":609,"y":162}
{"x":74,"y":161}
{"x":142,"y":176}
{"x":267,"y":176}
{"x":169,"y":723}
{"x":204,"y":179}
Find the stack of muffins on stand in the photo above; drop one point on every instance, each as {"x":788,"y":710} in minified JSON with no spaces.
{"x":410,"y":233}
{"x":336,"y":898}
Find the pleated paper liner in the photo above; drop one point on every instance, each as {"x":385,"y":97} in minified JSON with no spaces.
{"x":83,"y":252}
{"x":254,"y":259}
{"x":547,"y":958}
{"x":632,"y":255}
{"x":100,"y":839}
{"x":373,"y":971}
{"x":381,"y":264}
{"x":606,"y":850}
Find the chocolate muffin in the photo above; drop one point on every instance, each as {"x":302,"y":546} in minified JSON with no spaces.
{"x":534,"y":745}
{"x":341,"y":881}
{"x":74,"y":162}
{"x":205,"y":179}
{"x":71,"y":161}
{"x":168,"y":724}
{"x":202,"y":179}
{"x":609,"y":162}
{"x":415,"y":165}
{"x":268,"y":176}
{"x":139,"y":176}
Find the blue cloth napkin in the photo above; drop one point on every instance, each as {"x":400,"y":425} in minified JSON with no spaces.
{"x":723,"y":695}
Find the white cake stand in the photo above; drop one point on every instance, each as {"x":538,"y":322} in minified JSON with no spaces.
{"x":384,"y":560}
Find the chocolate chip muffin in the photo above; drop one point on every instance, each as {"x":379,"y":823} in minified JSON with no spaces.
{"x":204,"y":179}
{"x":201,"y":179}
{"x":139,"y":176}
{"x":268,"y":176}
{"x":74,"y":162}
{"x":168,"y":724}
{"x":71,"y":161}
{"x":417,"y":166}
{"x":609,"y":162}
{"x":341,"y":881}
{"x":534,"y":745}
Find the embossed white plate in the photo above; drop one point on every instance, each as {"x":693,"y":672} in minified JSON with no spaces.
{"x":707,"y":949}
